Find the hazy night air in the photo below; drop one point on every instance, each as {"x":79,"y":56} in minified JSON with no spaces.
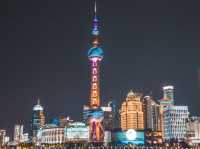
{"x":44,"y":54}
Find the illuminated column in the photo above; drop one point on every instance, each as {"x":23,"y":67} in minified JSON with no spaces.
{"x":95,"y":90}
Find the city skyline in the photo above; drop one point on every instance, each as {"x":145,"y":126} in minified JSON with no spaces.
{"x":53,"y":66}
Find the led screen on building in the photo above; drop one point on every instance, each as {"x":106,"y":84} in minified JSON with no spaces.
{"x":125,"y":137}
{"x":77,"y":133}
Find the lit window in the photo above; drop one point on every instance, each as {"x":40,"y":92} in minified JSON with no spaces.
{"x":94,"y":93}
{"x":94,"y":86}
{"x":94,"y":79}
{"x":94,"y":71}
{"x":94,"y":64}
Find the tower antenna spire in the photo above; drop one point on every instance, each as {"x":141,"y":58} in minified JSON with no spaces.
{"x":95,"y":7}
{"x":38,"y":101}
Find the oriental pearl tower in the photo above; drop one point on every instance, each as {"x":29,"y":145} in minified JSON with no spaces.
{"x":95,"y":55}
{"x":93,"y":112}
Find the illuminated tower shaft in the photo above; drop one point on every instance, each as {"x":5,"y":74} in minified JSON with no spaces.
{"x":95,"y":84}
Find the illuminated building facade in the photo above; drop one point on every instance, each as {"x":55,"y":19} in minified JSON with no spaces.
{"x":38,"y":119}
{"x":3,"y":138}
{"x":193,"y":130}
{"x":115,"y":114}
{"x":168,"y":96}
{"x":77,"y":132}
{"x":108,"y":120}
{"x":52,"y":134}
{"x":18,"y":133}
{"x":152,"y":114}
{"x":74,"y":132}
{"x":175,"y":118}
{"x":131,"y":112}
{"x":95,"y":122}
{"x":153,"y":118}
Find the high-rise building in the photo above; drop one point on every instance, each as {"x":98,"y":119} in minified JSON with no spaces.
{"x":38,"y":119}
{"x":153,"y":118}
{"x":18,"y":133}
{"x":168,"y":96}
{"x":115,"y":113}
{"x":131,"y":112}
{"x":193,"y":130}
{"x":3,"y":138}
{"x":93,"y":114}
{"x":152,"y":114}
{"x":108,"y":120}
{"x":175,"y":122}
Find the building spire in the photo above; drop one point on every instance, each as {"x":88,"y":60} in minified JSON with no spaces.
{"x":95,"y":7}
{"x":38,"y":101}
{"x":95,"y":27}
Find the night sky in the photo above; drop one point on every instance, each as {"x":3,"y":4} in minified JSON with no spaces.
{"x":44,"y":44}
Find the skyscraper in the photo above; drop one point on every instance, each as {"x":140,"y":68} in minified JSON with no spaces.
{"x":108,"y":118}
{"x":18,"y":133}
{"x":115,"y":113}
{"x":3,"y":138}
{"x":168,"y":96}
{"x":38,"y":119}
{"x":152,"y":114}
{"x":153,"y":118}
{"x":131,"y":112}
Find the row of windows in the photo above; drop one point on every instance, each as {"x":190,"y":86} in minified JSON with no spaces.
{"x":52,"y":133}
{"x":53,"y":140}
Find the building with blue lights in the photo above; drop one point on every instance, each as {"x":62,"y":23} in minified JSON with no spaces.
{"x":38,"y":120}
